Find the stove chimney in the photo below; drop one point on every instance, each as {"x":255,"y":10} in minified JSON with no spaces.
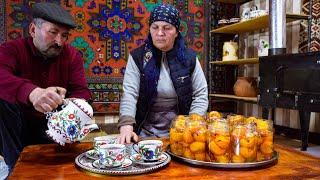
{"x":277,"y":27}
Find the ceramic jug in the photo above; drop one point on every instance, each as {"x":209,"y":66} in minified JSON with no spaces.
{"x":72,"y":123}
{"x":245,"y":87}
{"x":230,"y":50}
{"x":263,"y":47}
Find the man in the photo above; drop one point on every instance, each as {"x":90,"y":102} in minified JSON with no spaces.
{"x":37,"y":73}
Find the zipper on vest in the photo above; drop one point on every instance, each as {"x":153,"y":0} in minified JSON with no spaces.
{"x":181,"y":78}
{"x":143,"y":121}
{"x":178,"y":105}
{"x":164,"y":56}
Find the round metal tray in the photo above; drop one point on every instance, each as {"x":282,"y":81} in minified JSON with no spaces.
{"x":266,"y":163}
{"x":86,"y":164}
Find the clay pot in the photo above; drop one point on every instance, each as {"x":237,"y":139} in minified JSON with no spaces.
{"x":245,"y":87}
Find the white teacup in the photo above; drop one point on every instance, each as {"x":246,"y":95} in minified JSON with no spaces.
{"x":150,"y":150}
{"x":112,"y":155}
{"x":101,"y":140}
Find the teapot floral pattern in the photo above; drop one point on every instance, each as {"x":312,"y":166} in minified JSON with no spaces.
{"x":72,"y":123}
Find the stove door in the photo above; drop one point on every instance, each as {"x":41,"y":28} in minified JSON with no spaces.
{"x":283,"y":78}
{"x":302,"y":80}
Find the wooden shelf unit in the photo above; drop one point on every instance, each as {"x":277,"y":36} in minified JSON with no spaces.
{"x":260,"y":22}
{"x":233,"y":97}
{"x":237,"y":62}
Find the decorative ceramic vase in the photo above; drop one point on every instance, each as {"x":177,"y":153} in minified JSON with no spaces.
{"x":245,"y":87}
{"x":263,"y":47}
{"x":230,"y":50}
{"x":72,"y":123}
{"x":245,"y":14}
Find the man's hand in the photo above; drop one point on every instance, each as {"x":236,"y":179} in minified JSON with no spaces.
{"x":126,"y":134}
{"x":46,"y":100}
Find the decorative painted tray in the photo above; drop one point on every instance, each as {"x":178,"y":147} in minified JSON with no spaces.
{"x":130,"y":166}
{"x":272,"y":161}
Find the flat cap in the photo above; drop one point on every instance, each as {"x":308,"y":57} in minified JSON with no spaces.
{"x":53,"y":13}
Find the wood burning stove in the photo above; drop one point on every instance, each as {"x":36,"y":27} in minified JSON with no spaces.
{"x":291,"y":81}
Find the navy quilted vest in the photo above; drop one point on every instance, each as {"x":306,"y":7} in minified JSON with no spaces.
{"x":181,"y":70}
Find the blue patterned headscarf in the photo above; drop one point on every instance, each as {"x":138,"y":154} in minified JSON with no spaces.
{"x":167,"y":13}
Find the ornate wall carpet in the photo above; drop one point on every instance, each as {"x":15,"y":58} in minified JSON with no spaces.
{"x":315,"y":27}
{"x":107,"y":31}
{"x":2,"y":20}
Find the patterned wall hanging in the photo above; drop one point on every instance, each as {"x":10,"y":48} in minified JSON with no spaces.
{"x":107,"y":31}
{"x":315,"y":27}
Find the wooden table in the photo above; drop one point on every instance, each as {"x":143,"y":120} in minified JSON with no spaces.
{"x":54,"y":162}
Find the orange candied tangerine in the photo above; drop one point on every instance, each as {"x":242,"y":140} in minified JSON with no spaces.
{"x":215,"y":149}
{"x":214,"y":114}
{"x":188,"y":154}
{"x":200,"y":156}
{"x":251,"y":119}
{"x":200,"y":135}
{"x":266,"y":147}
{"x":222,"y":141}
{"x":239,"y":131}
{"x":260,"y":156}
{"x":236,"y":119}
{"x":185,"y":145}
{"x":195,"y":126}
{"x":180,"y":124}
{"x":197,"y":147}
{"x":237,"y":159}
{"x":248,"y":142}
{"x":222,"y":159}
{"x":177,"y":149}
{"x":187,"y":136}
{"x":196,"y":117}
{"x":175,"y":136}
{"x":259,"y":140}
{"x":268,"y":137}
{"x":247,"y":152}
{"x":262,"y":125}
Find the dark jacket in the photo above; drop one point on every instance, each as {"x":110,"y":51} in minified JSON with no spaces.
{"x":181,"y":62}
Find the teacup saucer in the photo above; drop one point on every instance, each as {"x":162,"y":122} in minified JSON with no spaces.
{"x":91,"y":154}
{"x":126,"y":163}
{"x":136,"y":158}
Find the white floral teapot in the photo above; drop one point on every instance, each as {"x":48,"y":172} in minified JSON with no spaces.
{"x":72,"y":123}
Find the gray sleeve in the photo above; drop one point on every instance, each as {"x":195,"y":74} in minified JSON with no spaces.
{"x":131,"y":85}
{"x":200,"y":91}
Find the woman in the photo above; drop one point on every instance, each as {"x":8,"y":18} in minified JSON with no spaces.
{"x":163,"y":78}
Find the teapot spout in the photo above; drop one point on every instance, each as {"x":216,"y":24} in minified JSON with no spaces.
{"x":86,"y":130}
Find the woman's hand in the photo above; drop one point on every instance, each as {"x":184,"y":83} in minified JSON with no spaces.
{"x":126,"y":134}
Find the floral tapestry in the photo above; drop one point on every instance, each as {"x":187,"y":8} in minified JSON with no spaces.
{"x":107,"y":30}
